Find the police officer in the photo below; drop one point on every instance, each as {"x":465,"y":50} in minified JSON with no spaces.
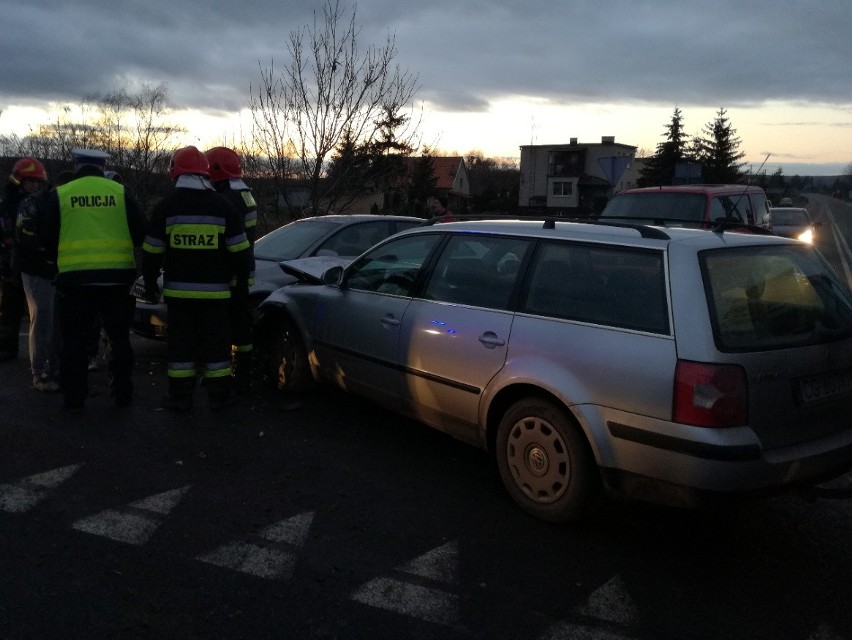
{"x":92,"y":224}
{"x":199,"y":239}
{"x":226,"y":174}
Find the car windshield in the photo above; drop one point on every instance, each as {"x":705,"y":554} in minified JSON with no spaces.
{"x":688,"y":207}
{"x":789,"y":216}
{"x":774,"y":297}
{"x":292,"y":240}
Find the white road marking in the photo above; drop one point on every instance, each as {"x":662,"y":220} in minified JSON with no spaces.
{"x":571,"y":631}
{"x":416,"y":600}
{"x":135,"y":523}
{"x":246,"y":557}
{"x":439,"y":564}
{"x":293,"y":530}
{"x":265,"y":560}
{"x":611,"y":603}
{"x":161,"y":503}
{"x":29,"y":491}
{"x":423,"y":603}
{"x":825,"y":632}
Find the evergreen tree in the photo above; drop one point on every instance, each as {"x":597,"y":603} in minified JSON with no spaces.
{"x":660,"y":168}
{"x":720,"y":151}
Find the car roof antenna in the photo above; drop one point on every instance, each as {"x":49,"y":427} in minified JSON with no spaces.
{"x":748,"y":183}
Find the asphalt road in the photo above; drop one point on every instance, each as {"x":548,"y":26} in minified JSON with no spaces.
{"x":330,"y":518}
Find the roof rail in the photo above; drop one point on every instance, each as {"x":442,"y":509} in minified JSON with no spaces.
{"x":550,"y":222}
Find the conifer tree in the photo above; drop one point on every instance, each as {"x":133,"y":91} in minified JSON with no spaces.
{"x":660,"y":168}
{"x":720,"y":152}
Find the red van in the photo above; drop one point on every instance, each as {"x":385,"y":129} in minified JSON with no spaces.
{"x":688,"y":205}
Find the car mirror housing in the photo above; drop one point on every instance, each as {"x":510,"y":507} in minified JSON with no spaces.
{"x":333,"y":276}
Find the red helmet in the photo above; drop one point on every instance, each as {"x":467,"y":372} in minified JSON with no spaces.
{"x":224,"y":164}
{"x":28,"y":168}
{"x":188,"y":160}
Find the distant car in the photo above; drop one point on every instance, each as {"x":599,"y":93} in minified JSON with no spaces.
{"x":792,"y":222}
{"x":693,"y":205}
{"x":786,"y":202}
{"x":669,"y":364}
{"x":330,"y":236}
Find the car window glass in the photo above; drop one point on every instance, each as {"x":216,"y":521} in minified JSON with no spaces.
{"x":735,"y":207}
{"x":761,"y":207}
{"x":354,"y":239}
{"x":393,"y":267}
{"x":789,"y":216}
{"x":672,"y":206}
{"x":292,"y":240}
{"x":477,"y":270}
{"x":615,"y":286}
{"x":774,"y":297}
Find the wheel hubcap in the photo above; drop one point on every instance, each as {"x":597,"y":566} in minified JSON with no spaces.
{"x":538,"y":459}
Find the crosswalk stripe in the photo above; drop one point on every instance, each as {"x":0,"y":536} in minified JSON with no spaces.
{"x":135,"y":523}
{"x":440,"y":564}
{"x":416,"y":601}
{"x":431,"y":604}
{"x":30,"y":490}
{"x":611,"y":602}
{"x":273,"y":559}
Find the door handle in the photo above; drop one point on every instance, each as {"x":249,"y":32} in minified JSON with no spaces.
{"x":389,"y":320}
{"x":491,"y":340}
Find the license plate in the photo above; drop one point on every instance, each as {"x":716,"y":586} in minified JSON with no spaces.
{"x":826,"y":386}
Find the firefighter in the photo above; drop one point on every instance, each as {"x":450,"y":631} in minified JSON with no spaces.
{"x":226,"y":174}
{"x":92,"y":224}
{"x":28,"y":176}
{"x":199,"y":239}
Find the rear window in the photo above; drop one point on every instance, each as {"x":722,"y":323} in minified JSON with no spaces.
{"x":774,"y":297}
{"x":688,"y":207}
{"x":790,"y":216}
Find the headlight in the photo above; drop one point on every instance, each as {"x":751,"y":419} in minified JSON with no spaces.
{"x":807,"y":236}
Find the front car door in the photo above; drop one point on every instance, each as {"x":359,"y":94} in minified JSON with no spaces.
{"x":357,"y":325}
{"x":455,"y":335}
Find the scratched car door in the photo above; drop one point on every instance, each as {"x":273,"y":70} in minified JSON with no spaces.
{"x":358,"y":324}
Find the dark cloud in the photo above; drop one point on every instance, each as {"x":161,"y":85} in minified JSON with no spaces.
{"x":466,"y":54}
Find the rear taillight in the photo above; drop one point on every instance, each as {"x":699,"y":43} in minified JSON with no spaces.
{"x":710,"y":395}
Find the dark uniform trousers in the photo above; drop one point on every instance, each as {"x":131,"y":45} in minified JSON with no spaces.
{"x":81,"y":307}
{"x":13,"y":302}
{"x":199,"y":342}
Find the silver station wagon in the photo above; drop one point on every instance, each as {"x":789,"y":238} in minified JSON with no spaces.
{"x":665,"y":364}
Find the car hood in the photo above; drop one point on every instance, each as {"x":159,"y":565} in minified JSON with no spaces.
{"x":311,"y":269}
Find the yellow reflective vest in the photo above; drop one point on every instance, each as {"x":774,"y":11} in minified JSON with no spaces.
{"x":93,"y":233}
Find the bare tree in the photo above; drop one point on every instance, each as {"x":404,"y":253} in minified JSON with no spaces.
{"x":330,"y":90}
{"x":153,"y":139}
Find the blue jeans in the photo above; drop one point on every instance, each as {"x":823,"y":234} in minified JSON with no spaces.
{"x":43,"y":335}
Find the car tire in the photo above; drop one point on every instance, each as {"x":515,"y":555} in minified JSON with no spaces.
{"x":545,"y":462}
{"x":288,"y":359}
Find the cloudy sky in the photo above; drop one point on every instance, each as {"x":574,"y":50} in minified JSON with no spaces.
{"x":493,"y":74}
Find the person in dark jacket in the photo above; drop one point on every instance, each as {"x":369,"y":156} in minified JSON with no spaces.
{"x":92,"y":224}
{"x":38,"y":271}
{"x":28,"y":176}
{"x":199,"y":237}
{"x":226,"y":174}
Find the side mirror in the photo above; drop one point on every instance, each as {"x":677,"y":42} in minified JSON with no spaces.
{"x":333,"y":276}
